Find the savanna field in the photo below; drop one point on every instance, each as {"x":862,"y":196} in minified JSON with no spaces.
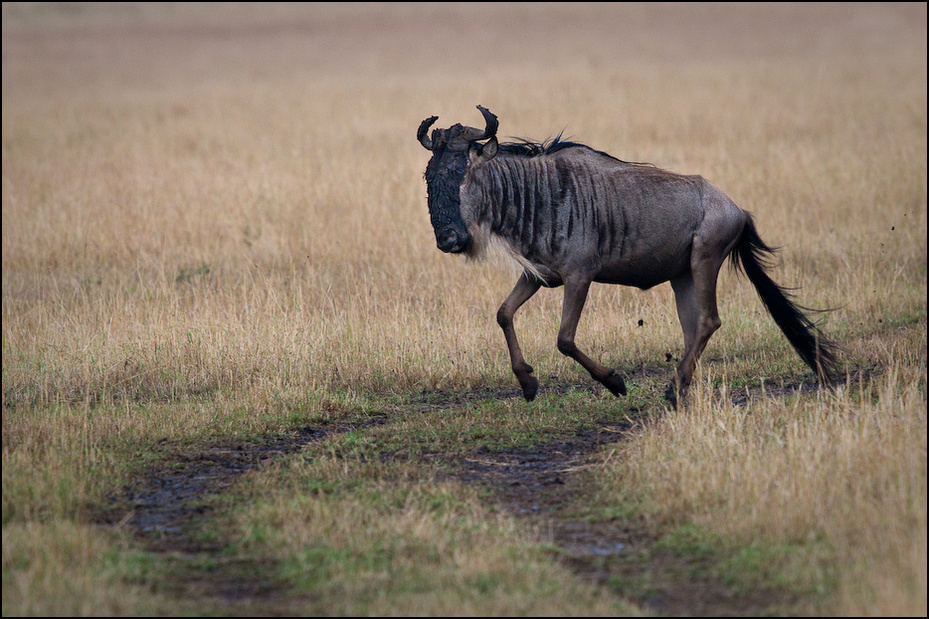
{"x":215,"y":237}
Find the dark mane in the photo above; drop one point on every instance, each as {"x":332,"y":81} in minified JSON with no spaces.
{"x":530,"y":148}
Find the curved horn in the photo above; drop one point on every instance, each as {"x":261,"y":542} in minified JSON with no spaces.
{"x":490,"y":121}
{"x":424,"y":139}
{"x":470,"y":134}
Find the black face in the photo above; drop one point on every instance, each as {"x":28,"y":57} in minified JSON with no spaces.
{"x":444,"y":176}
{"x":446,"y":172}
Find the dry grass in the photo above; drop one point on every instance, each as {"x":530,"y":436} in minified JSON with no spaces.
{"x":214,"y":223}
{"x":67,"y":569}
{"x":842,"y":471}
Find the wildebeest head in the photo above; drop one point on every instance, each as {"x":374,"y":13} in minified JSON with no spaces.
{"x":445,"y":172}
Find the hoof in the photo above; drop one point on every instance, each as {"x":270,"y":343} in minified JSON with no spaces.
{"x":530,"y":388}
{"x":671,"y":395}
{"x":615,"y":383}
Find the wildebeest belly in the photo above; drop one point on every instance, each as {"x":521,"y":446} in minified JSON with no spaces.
{"x":645,"y":271}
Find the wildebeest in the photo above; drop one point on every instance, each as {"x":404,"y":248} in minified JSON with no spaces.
{"x":571,"y":215}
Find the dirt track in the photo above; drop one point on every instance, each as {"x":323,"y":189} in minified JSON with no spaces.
{"x":543,"y":485}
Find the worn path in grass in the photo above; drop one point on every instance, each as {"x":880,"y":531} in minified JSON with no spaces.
{"x":169,"y":509}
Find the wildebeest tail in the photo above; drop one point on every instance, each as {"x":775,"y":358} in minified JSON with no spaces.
{"x":752,"y":256}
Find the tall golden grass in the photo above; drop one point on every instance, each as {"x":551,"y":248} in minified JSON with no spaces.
{"x":214,"y":223}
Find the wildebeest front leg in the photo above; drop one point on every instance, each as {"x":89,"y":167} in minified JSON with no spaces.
{"x":575,"y":295}
{"x":522,"y":292}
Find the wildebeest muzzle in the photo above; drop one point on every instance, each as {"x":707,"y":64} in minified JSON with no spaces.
{"x":452,"y":240}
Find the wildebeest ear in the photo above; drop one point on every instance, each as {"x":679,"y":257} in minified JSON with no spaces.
{"x":490,"y":149}
{"x":483,"y":154}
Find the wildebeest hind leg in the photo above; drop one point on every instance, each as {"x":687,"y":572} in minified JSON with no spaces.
{"x":686,"y":300}
{"x":522,"y":292}
{"x":695,"y":296}
{"x":575,"y":295}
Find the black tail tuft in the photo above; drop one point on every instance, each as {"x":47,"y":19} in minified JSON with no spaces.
{"x":752,"y":256}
